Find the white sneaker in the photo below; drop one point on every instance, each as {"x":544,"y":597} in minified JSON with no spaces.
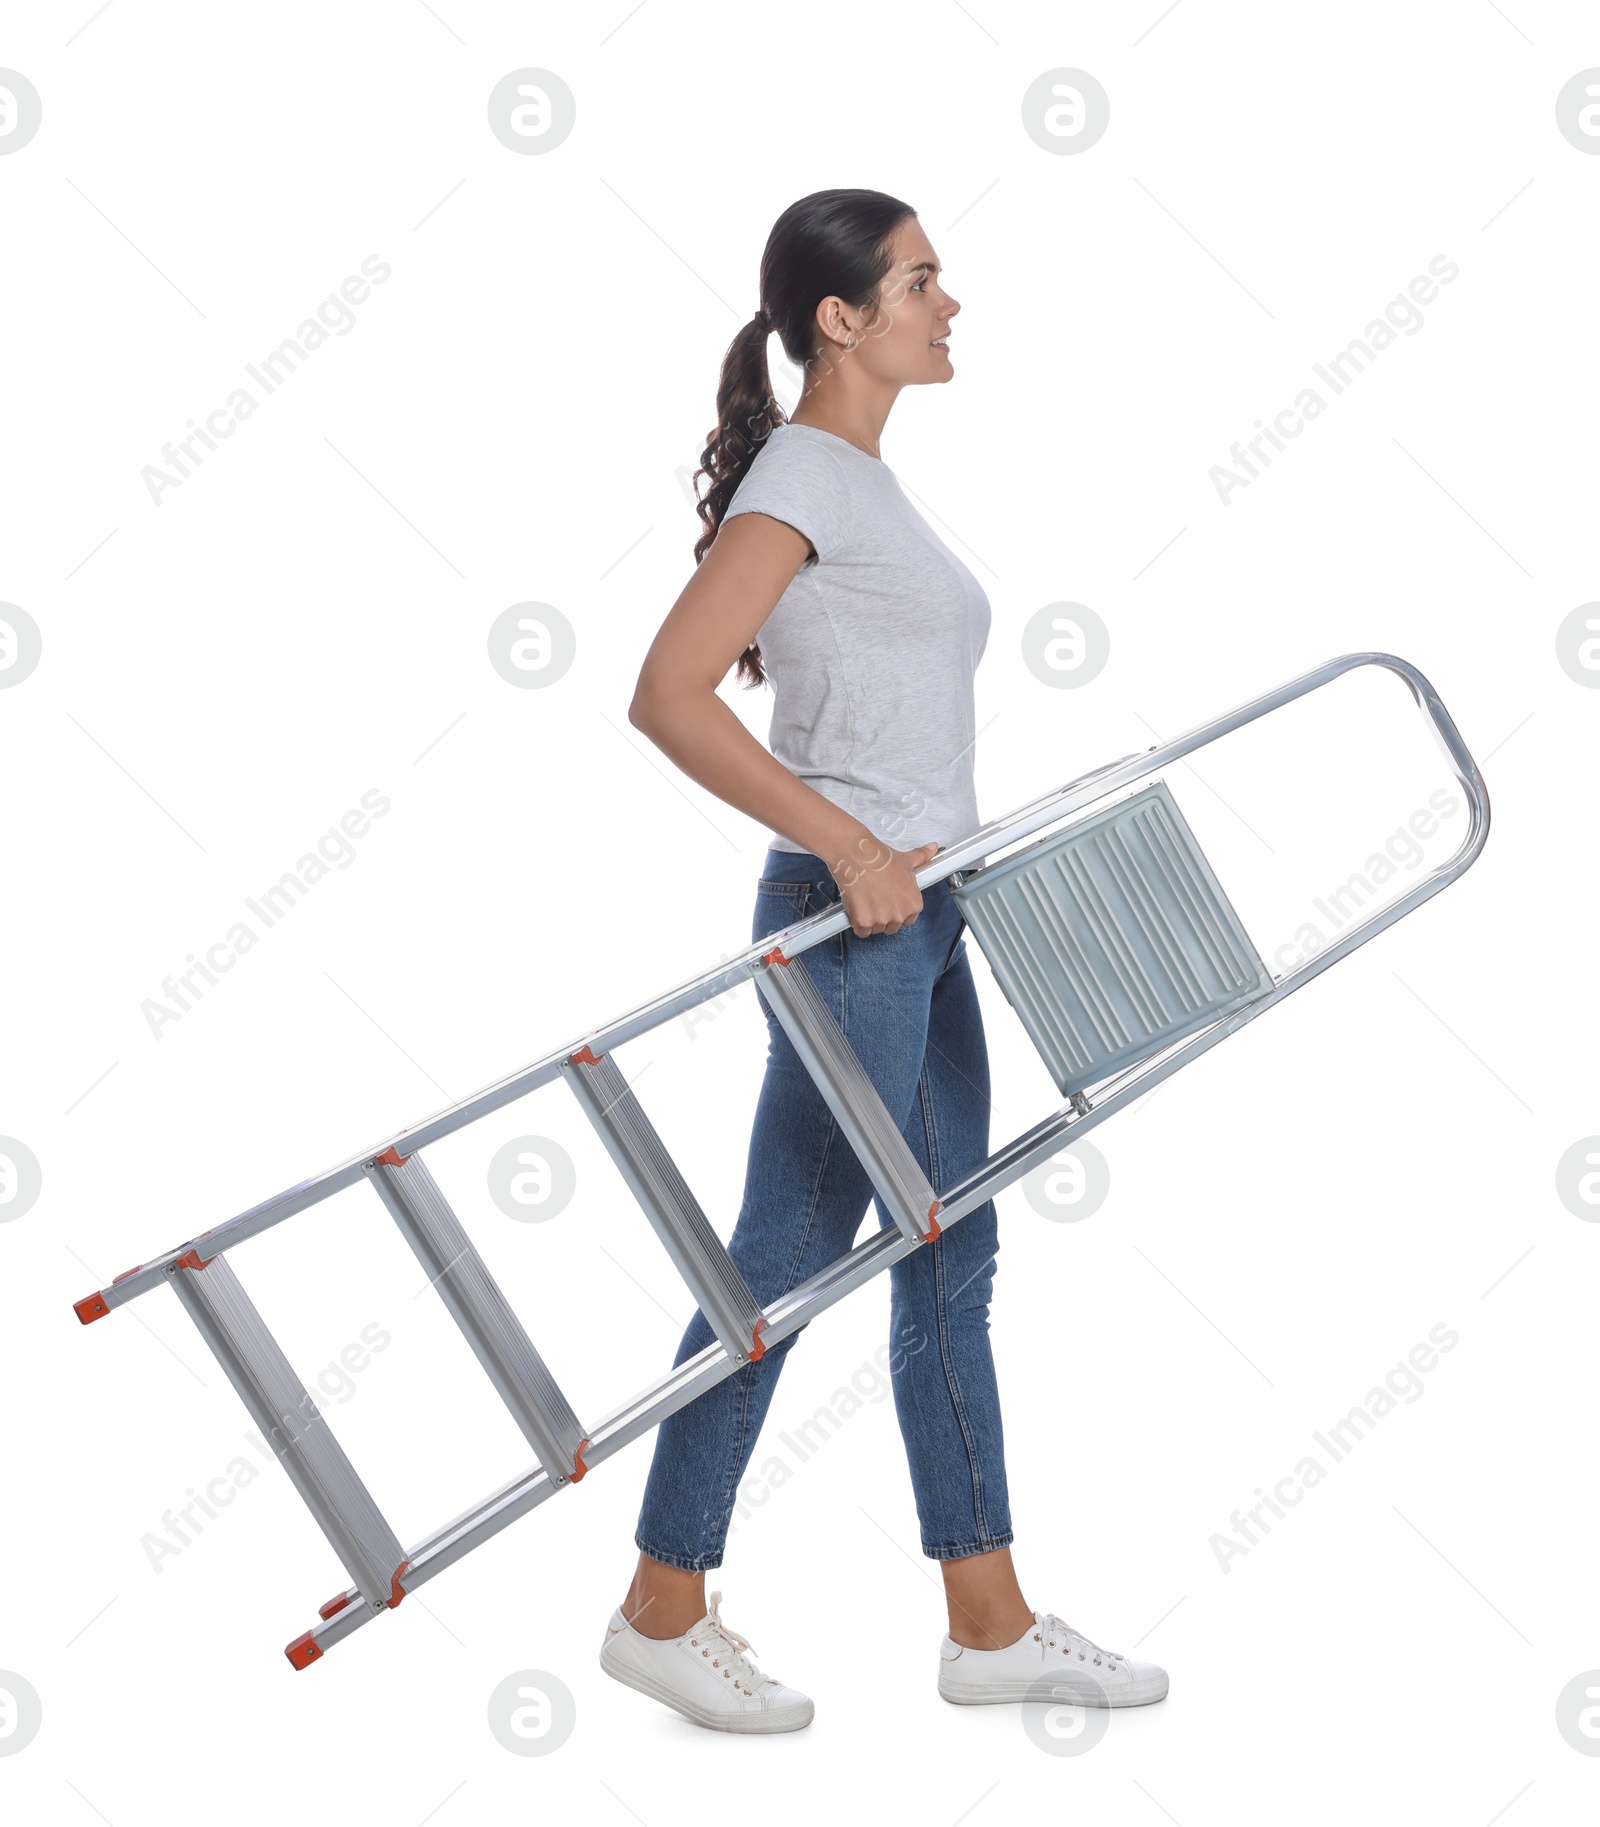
{"x":704,"y":1674}
{"x":1089,"y":1675}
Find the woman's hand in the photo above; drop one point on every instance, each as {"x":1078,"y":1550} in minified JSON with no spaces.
{"x":878,"y":885}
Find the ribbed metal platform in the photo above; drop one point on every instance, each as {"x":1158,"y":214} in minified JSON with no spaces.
{"x":1113,"y":938}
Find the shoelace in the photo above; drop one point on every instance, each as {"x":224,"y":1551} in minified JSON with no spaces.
{"x":1050,"y":1626}
{"x":714,"y":1635}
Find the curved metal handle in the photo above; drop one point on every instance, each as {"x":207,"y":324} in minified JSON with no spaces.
{"x":1064,"y":800}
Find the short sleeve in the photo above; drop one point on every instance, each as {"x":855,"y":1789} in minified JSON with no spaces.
{"x":804,"y":485}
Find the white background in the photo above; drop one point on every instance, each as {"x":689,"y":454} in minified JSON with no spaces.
{"x":512,"y":419}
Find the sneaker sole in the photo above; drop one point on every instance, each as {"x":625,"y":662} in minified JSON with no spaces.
{"x":1000,"y":1692}
{"x":780,"y":1719}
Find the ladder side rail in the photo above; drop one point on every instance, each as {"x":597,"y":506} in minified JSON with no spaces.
{"x":289,"y":1418}
{"x":737,"y":970}
{"x":995,"y":835}
{"x":1003,"y":831}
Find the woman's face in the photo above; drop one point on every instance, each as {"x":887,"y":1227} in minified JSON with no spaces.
{"x":905,"y":342}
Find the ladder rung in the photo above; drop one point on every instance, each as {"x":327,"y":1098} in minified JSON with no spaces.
{"x":474,"y":1301}
{"x":851,"y":1095}
{"x":731,"y":1310}
{"x":283,"y":1409}
{"x":678,"y":1387}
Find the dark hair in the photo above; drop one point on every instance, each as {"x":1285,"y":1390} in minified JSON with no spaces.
{"x":833,"y":242}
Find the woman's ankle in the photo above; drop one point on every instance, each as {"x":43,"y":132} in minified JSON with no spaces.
{"x":664,"y":1601}
{"x":987,"y":1609}
{"x":996,"y":1630}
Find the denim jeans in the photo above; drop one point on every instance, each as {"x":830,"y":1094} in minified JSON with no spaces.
{"x":908,"y":1006}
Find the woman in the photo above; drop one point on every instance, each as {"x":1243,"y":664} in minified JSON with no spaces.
{"x":870,"y":630}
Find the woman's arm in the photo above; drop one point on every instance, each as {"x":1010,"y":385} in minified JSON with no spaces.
{"x":675,"y":703}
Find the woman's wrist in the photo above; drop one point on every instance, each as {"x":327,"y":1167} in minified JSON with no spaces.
{"x":831,"y":833}
{"x":855,"y":852}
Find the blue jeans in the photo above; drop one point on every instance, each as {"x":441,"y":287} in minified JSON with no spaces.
{"x":908,"y":1006}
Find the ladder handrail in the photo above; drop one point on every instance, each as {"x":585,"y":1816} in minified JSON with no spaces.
{"x":995,"y":835}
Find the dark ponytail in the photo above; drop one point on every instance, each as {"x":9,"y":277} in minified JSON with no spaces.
{"x":832,"y":243}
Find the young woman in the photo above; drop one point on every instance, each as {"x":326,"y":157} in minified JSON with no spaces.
{"x":816,"y":574}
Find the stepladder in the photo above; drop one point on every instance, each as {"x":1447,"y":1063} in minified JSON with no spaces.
{"x":1113,"y":941}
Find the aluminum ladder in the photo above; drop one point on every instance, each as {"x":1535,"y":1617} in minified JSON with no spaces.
{"x":382,"y":1571}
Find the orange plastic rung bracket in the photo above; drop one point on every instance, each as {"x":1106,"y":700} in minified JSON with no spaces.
{"x":192,"y":1259}
{"x":933,"y":1223}
{"x":775,"y":956}
{"x":392,"y":1157}
{"x":396,"y":1594}
{"x":587,"y":1056}
{"x":578,"y":1467}
{"x":757,"y":1347}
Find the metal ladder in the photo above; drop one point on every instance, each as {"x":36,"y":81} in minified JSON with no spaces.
{"x":381,"y":1570}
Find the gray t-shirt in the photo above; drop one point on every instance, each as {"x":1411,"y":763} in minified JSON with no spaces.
{"x":872,"y":648}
